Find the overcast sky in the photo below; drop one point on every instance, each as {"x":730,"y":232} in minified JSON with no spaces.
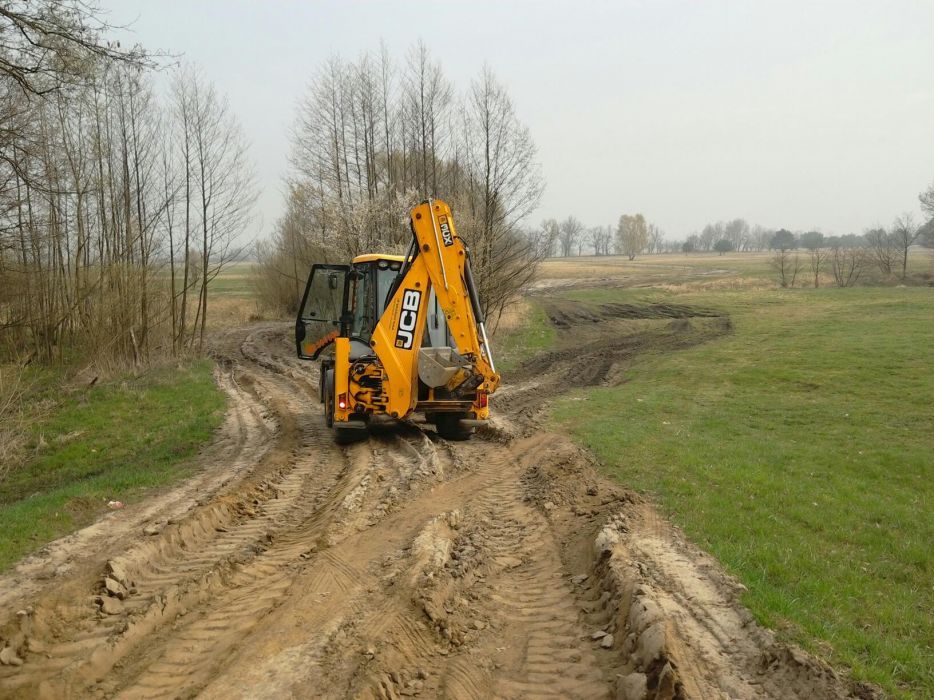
{"x":803,"y":115}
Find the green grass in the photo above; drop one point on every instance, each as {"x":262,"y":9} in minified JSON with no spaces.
{"x":113,"y":441}
{"x":532,"y":335}
{"x":235,"y":280}
{"x":799,"y":450}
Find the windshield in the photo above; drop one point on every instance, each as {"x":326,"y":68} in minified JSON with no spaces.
{"x":369,"y":298}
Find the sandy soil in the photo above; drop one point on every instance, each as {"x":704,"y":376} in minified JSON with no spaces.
{"x":404,"y":565}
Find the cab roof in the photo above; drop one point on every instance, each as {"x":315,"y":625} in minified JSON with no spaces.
{"x":374,"y":257}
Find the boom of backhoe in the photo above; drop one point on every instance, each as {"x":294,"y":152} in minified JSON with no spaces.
{"x":401,"y":334}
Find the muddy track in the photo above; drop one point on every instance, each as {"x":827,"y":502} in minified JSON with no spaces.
{"x":401,"y":566}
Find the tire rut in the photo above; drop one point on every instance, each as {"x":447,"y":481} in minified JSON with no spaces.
{"x":400,"y":566}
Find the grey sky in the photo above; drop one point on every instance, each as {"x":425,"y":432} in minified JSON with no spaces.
{"x":795,"y":114}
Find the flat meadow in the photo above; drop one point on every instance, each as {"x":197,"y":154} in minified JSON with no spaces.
{"x":798,"y":448}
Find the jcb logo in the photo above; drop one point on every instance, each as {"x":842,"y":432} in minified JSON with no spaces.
{"x":405,"y":336}
{"x":446,"y":234}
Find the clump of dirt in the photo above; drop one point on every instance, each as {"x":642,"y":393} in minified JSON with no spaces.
{"x":587,"y":357}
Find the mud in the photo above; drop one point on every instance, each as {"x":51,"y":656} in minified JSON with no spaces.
{"x":401,"y":566}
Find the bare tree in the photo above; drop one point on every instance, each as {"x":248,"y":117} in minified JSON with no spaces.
{"x":883,"y":249}
{"x":904,"y":234}
{"x":428,"y":96}
{"x":927,"y":201}
{"x":100,"y":194}
{"x":502,"y":185}
{"x":786,"y":265}
{"x":369,"y":141}
{"x":543,"y":238}
{"x":761,"y":237}
{"x":224,"y":186}
{"x":846,"y":263}
{"x":49,"y":45}
{"x":818,"y":258}
{"x":550,"y":231}
{"x":602,"y":239}
{"x":710,"y":235}
{"x":570,"y":231}
{"x":737,"y":233}
{"x":655,"y":239}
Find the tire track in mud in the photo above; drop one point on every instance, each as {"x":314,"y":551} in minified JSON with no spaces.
{"x":404,"y":565}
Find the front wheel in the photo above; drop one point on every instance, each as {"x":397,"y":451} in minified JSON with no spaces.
{"x":450,"y":428}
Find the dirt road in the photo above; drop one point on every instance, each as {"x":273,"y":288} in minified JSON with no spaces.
{"x":404,"y":565}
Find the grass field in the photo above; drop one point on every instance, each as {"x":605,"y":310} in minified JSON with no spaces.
{"x":799,"y":450}
{"x":112,"y":441}
{"x":234,"y":280}
{"x":522,"y":332}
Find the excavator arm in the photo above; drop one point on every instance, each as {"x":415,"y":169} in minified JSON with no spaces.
{"x":441,"y":262}
{"x":383,"y":356}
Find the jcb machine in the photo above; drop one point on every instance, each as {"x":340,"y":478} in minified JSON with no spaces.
{"x":407,"y":334}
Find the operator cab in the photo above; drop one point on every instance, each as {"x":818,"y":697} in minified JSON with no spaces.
{"x":349,"y":300}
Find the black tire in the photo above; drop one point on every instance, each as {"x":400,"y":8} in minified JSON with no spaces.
{"x":450,"y":428}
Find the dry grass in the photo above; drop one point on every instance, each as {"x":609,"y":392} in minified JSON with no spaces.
{"x":515,"y":315}
{"x":12,"y":419}
{"x":232,"y":311}
{"x":708,"y":272}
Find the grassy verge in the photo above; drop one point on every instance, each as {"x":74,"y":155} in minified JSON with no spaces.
{"x":110,"y":442}
{"x":799,"y":450}
{"x":524,"y":337}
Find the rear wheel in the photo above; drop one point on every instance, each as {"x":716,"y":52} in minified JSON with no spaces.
{"x":450,"y":428}
{"x":345,"y":436}
{"x":327,"y":396}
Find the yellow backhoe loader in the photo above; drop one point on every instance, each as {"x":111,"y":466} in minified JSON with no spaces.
{"x":398,"y":335}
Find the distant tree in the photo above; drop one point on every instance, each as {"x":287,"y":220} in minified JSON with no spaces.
{"x":883,"y":249}
{"x":927,"y":201}
{"x":632,"y":235}
{"x":601,"y":237}
{"x":812,"y":240}
{"x":904,"y":233}
{"x":543,"y":239}
{"x":926,"y":234}
{"x":737,"y":233}
{"x":691,"y":244}
{"x":783,"y":240}
{"x":656,"y":239}
{"x":852,"y":240}
{"x":761,"y":237}
{"x":710,"y":234}
{"x":724,"y":245}
{"x":569,"y":231}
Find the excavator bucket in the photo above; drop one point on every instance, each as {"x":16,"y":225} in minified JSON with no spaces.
{"x":440,"y":367}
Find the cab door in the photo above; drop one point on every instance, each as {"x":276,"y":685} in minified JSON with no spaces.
{"x":322,"y":314}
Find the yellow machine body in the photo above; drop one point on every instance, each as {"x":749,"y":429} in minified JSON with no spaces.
{"x":387,"y":369}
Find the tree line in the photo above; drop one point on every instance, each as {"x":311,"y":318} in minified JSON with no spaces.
{"x":632,"y":235}
{"x":849,"y":256}
{"x":375,"y":135}
{"x":119,"y":202}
